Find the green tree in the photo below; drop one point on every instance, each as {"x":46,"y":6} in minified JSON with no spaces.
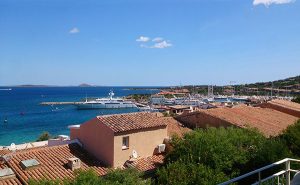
{"x":222,"y":153}
{"x":218,"y":148}
{"x":90,"y":177}
{"x":44,"y":136}
{"x":126,"y":177}
{"x":44,"y":182}
{"x":292,"y":138}
{"x":296,"y":99}
{"x":189,"y":174}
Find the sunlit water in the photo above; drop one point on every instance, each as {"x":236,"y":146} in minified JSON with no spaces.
{"x":26,"y":119}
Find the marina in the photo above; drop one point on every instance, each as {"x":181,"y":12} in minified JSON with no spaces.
{"x":105,"y":103}
{"x":52,"y":109}
{"x":26,"y":112}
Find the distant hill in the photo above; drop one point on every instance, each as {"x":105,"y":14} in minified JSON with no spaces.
{"x":283,"y":87}
{"x":283,"y":83}
{"x":85,"y":85}
{"x":29,"y":85}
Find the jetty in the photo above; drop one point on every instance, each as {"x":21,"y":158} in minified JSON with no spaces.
{"x":60,"y":103}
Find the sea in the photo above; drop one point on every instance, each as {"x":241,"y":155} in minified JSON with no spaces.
{"x":26,"y":119}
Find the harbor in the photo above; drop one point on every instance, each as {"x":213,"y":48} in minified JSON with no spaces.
{"x":60,"y":103}
{"x":53,"y":109}
{"x":165,"y":100}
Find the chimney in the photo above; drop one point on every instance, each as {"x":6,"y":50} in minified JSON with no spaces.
{"x":74,"y":163}
{"x":2,"y":160}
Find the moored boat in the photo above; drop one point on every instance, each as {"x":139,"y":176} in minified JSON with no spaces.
{"x":106,"y":103}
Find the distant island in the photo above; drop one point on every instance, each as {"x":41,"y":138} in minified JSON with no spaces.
{"x":31,"y":85}
{"x":86,"y":85}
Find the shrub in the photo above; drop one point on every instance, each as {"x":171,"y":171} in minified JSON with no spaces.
{"x":44,"y":136}
{"x":44,"y":182}
{"x":90,"y":177}
{"x":292,"y":138}
{"x":296,"y":99}
{"x":212,"y":155}
{"x":189,"y":174}
{"x":218,"y":148}
{"x":128,"y":176}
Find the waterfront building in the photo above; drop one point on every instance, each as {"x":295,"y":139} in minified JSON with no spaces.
{"x":157,"y":99}
{"x":116,"y":139}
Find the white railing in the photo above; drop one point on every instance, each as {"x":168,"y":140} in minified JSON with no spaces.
{"x":286,"y":173}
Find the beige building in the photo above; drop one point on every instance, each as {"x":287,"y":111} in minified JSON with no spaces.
{"x":115,"y":139}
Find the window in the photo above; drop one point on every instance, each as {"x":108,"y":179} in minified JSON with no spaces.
{"x":125,"y":143}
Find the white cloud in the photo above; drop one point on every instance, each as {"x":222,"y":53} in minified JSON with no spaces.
{"x":143,"y":39}
{"x":269,"y":2}
{"x":156,"y":42}
{"x":157,"y":39}
{"x":162,"y":45}
{"x":74,"y":30}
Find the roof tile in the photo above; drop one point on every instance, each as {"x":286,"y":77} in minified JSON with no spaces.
{"x":148,"y":164}
{"x":53,"y":162}
{"x":132,"y":121}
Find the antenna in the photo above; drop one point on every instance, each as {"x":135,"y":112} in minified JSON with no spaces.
{"x":111,"y":94}
{"x":13,"y":147}
{"x":272,"y":91}
{"x":232,"y":83}
{"x":134,"y":154}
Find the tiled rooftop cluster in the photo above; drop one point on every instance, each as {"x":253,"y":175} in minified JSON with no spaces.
{"x":53,"y":163}
{"x":4,"y":151}
{"x":268,"y":121}
{"x":175,"y":127}
{"x":148,"y":164}
{"x":287,"y":104}
{"x":10,"y":181}
{"x":132,"y":121}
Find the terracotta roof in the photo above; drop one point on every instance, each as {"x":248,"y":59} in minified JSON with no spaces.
{"x":286,"y":104}
{"x":175,"y":127}
{"x":8,"y":181}
{"x":132,"y":121}
{"x":148,"y":164}
{"x":268,"y":121}
{"x":4,"y":152}
{"x":53,"y":162}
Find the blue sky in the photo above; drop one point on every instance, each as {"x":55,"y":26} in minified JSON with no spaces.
{"x":148,"y":42}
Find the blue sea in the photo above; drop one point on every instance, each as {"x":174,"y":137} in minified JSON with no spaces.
{"x":27,"y":119}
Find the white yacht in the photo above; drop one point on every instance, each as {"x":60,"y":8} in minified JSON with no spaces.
{"x":106,"y":103}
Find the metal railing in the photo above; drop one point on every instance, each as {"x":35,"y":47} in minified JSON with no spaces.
{"x":286,"y":173}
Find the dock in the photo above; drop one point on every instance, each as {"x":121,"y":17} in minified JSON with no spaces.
{"x":140,"y":104}
{"x":60,"y":103}
{"x":76,"y":103}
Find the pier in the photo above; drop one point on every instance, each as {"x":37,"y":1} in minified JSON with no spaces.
{"x":60,"y":103}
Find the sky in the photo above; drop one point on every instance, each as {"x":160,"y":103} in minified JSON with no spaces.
{"x":148,"y":42}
